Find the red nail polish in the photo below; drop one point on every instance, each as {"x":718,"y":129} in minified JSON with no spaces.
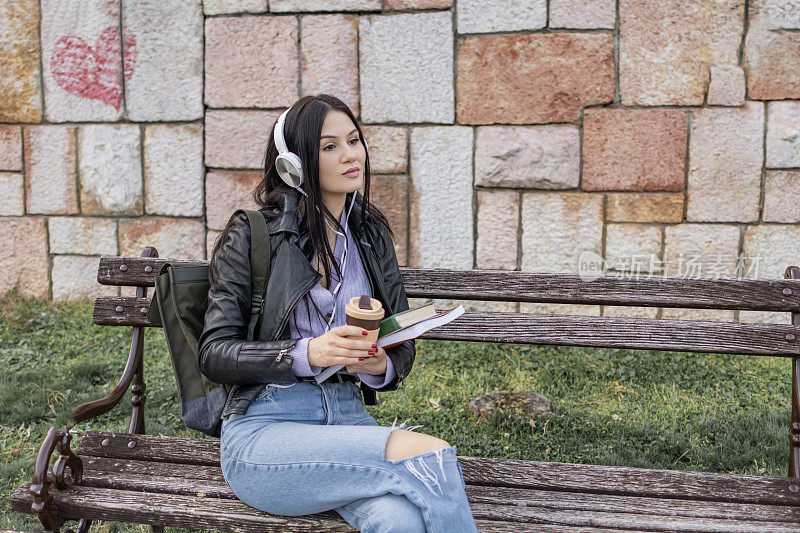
{"x":363,"y":332}
{"x":371,"y":352}
{"x":360,"y":358}
{"x":374,"y":346}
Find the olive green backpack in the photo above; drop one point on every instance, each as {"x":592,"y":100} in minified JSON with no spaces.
{"x":179,"y":305}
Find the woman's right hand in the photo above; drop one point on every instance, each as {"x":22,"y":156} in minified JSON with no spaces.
{"x":335,"y":348}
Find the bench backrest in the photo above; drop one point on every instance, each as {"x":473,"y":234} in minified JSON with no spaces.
{"x":778,"y":295}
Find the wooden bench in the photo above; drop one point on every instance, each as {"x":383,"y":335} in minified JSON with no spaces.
{"x":171,"y":481}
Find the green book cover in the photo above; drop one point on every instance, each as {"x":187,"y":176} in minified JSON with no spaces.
{"x":390,"y":324}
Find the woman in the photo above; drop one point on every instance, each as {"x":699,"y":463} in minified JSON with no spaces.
{"x":290,"y":445}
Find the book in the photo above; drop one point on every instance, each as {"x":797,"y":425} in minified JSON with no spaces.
{"x":392,"y":332}
{"x":406,"y":318}
{"x":396,"y":335}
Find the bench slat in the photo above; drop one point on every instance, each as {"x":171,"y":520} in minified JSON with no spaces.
{"x":623,"y":332}
{"x":221,"y":515}
{"x":623,"y":480}
{"x":584,"y":501}
{"x":229,"y":514}
{"x":116,"y":466}
{"x":624,"y":520}
{"x":204,"y":452}
{"x":504,"y":472}
{"x":513,"y":286}
{"x":568,"y":330}
{"x":167,"y":478}
{"x":176,"y":511}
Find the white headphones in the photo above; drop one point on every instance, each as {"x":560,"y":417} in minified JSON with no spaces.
{"x":288,"y":164}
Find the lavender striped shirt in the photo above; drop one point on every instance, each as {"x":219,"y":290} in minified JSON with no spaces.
{"x":305,"y":323}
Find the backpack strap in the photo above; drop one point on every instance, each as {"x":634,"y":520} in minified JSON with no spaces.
{"x":260,"y":251}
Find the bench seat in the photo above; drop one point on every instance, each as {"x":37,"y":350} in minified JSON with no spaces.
{"x":173,"y":481}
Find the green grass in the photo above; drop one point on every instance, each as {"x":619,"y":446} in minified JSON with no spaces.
{"x":672,"y":410}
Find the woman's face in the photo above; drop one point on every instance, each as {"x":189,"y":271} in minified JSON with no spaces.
{"x":340,"y":149}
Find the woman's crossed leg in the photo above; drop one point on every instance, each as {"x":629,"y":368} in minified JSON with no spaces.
{"x":369,"y":474}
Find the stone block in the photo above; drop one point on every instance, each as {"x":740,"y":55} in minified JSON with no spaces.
{"x":329,"y":57}
{"x":223,"y":7}
{"x":226,"y":192}
{"x":281,"y":6}
{"x":389,"y":193}
{"x":24,"y":263}
{"x":110,"y":169}
{"x":783,"y":134}
{"x":166,"y":82}
{"x":546,"y":308}
{"x":713,"y":315}
{"x":484,"y":16}
{"x":173,"y":169}
{"x":388,"y":150}
{"x":12,"y":194}
{"x":633,"y":249}
{"x":644,"y":207}
{"x":83,"y":235}
{"x":390,"y":64}
{"x":251,"y":61}
{"x":634,"y":149}
{"x":82,"y":57}
{"x":726,"y":152}
{"x":532,"y":78}
{"x":727,"y":86}
{"x":772,"y":50}
{"x":75,"y":278}
{"x":667,"y":47}
{"x":237,"y":138}
{"x":498,"y":222}
{"x":397,"y":5}
{"x":51,"y":180}
{"x":782,"y":196}
{"x":557,"y":227}
{"x":10,"y":147}
{"x":701,"y":251}
{"x":531,"y":157}
{"x":20,"y":84}
{"x":583,"y":14}
{"x":769,"y":249}
{"x":174,"y":238}
{"x":441,"y":197}
{"x":630,"y":311}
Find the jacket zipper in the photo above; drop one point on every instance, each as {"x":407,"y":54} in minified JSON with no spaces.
{"x":283,"y":352}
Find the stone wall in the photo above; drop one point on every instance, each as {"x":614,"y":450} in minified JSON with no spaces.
{"x":659,"y":137}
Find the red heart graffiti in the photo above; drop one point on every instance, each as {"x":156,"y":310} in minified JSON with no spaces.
{"x":94,"y":73}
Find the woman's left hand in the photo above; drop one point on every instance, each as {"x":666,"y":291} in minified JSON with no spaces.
{"x":374,"y":364}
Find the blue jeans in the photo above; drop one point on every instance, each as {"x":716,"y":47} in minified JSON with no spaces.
{"x":305,"y":448}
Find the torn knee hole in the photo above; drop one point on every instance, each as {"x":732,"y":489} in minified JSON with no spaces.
{"x":405,"y":445}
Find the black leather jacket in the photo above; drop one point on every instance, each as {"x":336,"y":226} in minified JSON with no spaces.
{"x":225,"y":357}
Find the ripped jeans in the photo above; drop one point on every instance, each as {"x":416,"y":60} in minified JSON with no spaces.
{"x":305,"y":448}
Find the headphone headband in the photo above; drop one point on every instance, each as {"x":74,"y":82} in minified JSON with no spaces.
{"x":280,"y":143}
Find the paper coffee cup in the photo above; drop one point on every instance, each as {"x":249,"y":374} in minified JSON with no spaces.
{"x":367,"y":313}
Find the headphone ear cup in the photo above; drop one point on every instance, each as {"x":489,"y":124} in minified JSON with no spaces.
{"x":290,"y":169}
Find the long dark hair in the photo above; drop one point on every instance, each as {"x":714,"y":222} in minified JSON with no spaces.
{"x":302,"y":131}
